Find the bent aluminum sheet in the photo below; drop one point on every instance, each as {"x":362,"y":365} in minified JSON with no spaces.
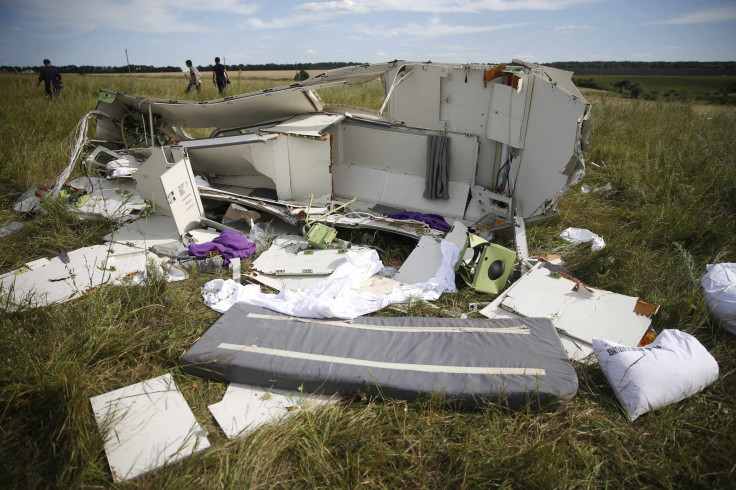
{"x":230,"y":112}
{"x":513,"y":362}
{"x":70,"y":275}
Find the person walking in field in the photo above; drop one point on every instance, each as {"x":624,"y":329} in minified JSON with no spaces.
{"x":51,"y":78}
{"x":194,"y":79}
{"x":220,"y":76}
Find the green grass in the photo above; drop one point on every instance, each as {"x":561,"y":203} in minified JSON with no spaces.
{"x":672,"y":210}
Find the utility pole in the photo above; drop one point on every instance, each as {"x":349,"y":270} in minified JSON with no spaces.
{"x":127,"y":60}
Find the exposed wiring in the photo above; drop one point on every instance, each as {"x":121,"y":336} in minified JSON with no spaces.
{"x":78,"y":141}
{"x":122,"y":130}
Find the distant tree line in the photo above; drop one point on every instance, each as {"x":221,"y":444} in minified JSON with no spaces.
{"x":325,"y":65}
{"x":685,"y":68}
{"x":98,"y":69}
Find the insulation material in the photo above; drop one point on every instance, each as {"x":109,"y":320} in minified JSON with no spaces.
{"x":146,"y":426}
{"x":513,"y":362}
{"x":577,"y":310}
{"x":581,"y":235}
{"x":244,"y":408}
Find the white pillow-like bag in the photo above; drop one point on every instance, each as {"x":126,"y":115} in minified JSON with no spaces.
{"x":719,"y":290}
{"x":672,"y":368}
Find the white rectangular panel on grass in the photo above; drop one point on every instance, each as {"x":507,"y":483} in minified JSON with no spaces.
{"x":245,"y":408}
{"x":146,"y":426}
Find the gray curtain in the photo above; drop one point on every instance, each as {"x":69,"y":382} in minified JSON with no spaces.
{"x":435,"y":185}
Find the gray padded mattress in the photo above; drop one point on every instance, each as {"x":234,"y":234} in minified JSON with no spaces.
{"x":517,"y":363}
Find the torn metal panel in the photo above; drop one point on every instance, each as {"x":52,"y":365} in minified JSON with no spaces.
{"x":146,"y":426}
{"x":498,"y":130}
{"x":115,"y":200}
{"x":551,"y":140}
{"x":70,"y":275}
{"x":245,"y":408}
{"x":231,"y":112}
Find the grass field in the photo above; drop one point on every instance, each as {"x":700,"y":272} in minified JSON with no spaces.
{"x":672,"y":210}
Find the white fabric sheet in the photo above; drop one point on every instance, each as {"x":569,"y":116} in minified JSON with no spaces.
{"x":337,"y":296}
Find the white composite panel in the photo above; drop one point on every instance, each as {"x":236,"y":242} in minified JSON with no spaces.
{"x":309,"y":167}
{"x":245,"y":407}
{"x":506,"y":114}
{"x":397,"y":190}
{"x":312,"y":125}
{"x":288,"y":255}
{"x":182,"y":196}
{"x":405,"y":152}
{"x":228,"y":155}
{"x":422,"y":84}
{"x":146,"y":426}
{"x":150,"y":230}
{"x":550,"y":143}
{"x":464,"y":106}
{"x":64,"y":279}
{"x":232,"y":112}
{"x":422,"y":263}
{"x":581,"y":314}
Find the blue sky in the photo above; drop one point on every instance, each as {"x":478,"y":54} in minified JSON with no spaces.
{"x":167,"y":32}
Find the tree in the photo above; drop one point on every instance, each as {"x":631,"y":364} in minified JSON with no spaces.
{"x":301,"y":75}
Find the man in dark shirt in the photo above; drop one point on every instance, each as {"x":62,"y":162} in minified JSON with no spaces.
{"x":51,"y":77}
{"x":220,"y":76}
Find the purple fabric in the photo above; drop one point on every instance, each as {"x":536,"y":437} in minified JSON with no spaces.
{"x":230,"y":244}
{"x":433,"y":220}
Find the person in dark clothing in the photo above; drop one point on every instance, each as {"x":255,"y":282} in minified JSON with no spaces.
{"x":51,"y":78}
{"x":220,"y":76}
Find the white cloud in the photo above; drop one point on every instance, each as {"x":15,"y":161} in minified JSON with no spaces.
{"x":673,"y":47}
{"x":339,"y":6}
{"x":524,"y":57}
{"x":571,"y":27}
{"x":315,"y":12}
{"x":718,"y":14}
{"x":433,"y":28}
{"x":68,"y":17}
{"x":437,"y":6}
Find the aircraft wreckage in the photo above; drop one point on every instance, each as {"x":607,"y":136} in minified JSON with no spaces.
{"x":473,"y":143}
